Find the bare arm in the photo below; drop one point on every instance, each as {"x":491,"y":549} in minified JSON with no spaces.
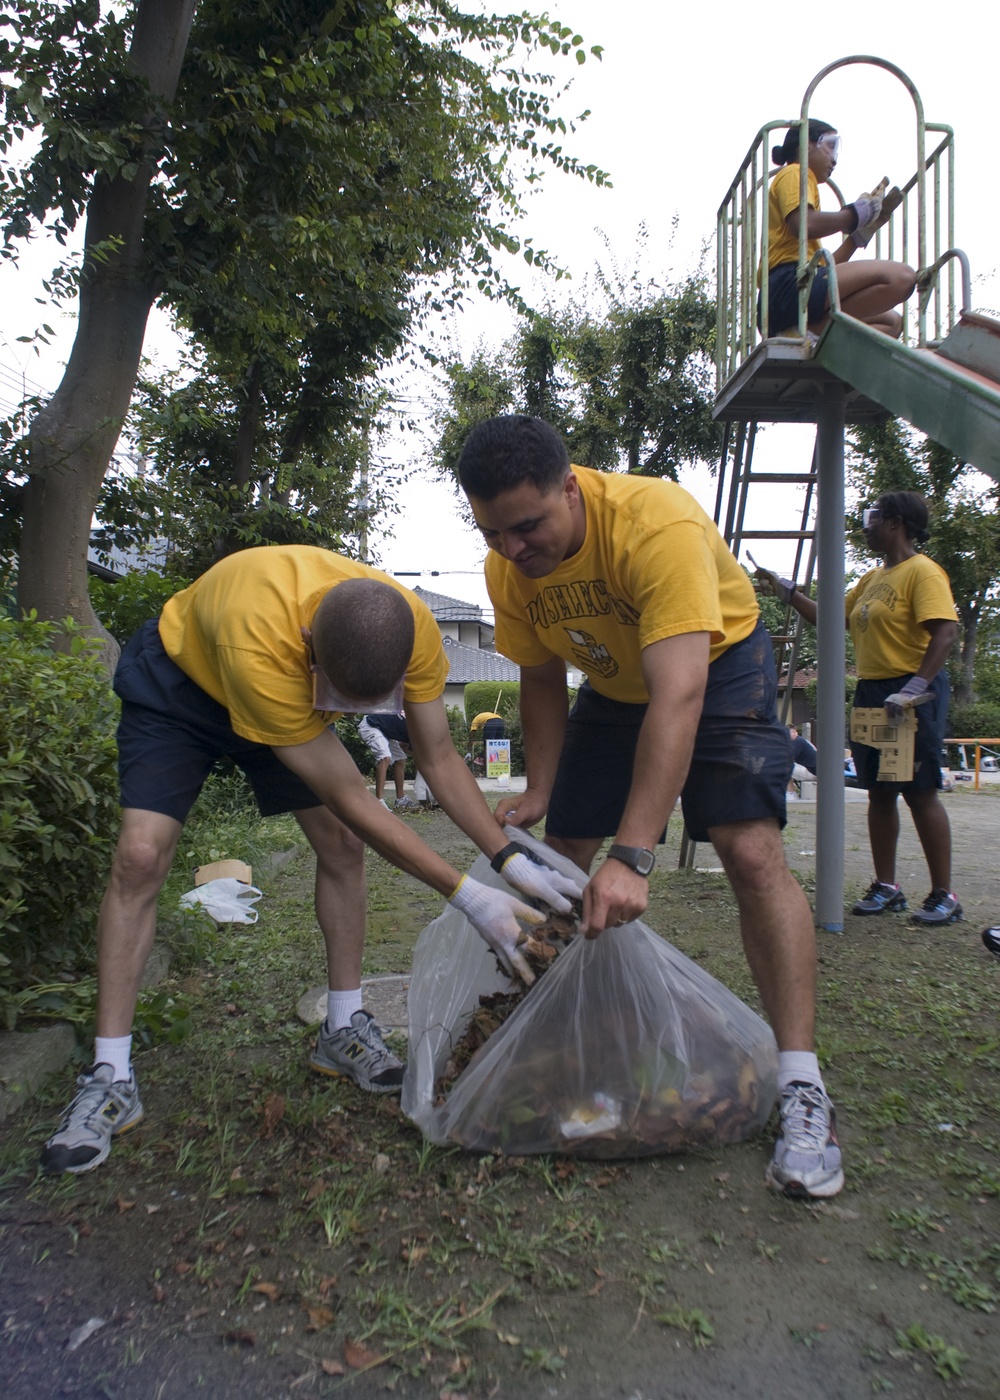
{"x":330,"y":772}
{"x":820,"y":224}
{"x":675,"y":671}
{"x":450,"y":780}
{"x":544,"y":707}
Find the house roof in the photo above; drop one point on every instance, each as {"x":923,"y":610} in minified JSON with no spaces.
{"x":447,"y":609}
{"x":467,"y":664}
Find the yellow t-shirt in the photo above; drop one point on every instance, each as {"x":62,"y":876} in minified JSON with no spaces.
{"x":782,"y":200}
{"x":652,"y":565}
{"x":885,"y":609}
{"x":236,"y":633}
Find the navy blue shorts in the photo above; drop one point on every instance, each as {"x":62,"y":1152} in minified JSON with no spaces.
{"x":931,"y":718}
{"x":739,"y":771}
{"x":171,"y":734}
{"x":783,"y":299}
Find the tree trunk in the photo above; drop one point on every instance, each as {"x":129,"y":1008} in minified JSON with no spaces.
{"x":965,"y":691}
{"x":72,"y":439}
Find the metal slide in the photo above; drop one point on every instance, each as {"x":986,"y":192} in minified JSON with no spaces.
{"x":951,"y":393}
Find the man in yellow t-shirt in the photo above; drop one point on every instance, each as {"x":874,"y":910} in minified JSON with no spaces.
{"x":627,"y":579}
{"x":253,"y":662}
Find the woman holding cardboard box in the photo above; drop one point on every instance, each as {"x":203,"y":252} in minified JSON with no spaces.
{"x":902,"y":621}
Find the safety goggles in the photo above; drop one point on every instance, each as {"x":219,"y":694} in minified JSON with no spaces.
{"x":830,"y":141}
{"x":869,"y":515}
{"x":327,"y":697}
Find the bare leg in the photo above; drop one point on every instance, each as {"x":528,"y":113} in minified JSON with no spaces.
{"x":883,"y":833}
{"x":871,"y":288}
{"x":340,"y":894}
{"x":776,"y":926}
{"x":398,"y":776}
{"x":934,"y":831}
{"x":381,"y":769}
{"x":580,"y":851}
{"x":126,"y":925}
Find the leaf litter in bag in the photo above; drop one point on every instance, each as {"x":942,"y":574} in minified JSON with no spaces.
{"x":624,"y":1047}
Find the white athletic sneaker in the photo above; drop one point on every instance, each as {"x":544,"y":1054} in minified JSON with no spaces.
{"x":103,"y":1109}
{"x":358,"y":1052}
{"x":806,"y":1161}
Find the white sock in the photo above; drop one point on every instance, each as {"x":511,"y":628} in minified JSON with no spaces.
{"x":115,"y":1051}
{"x":340,"y":1007}
{"x":799,"y":1067}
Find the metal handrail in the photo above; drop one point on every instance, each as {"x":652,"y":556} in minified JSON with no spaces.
{"x":920,"y":232}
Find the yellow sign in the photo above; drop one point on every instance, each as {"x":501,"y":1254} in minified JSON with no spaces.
{"x":498,"y":758}
{"x":892,"y":738}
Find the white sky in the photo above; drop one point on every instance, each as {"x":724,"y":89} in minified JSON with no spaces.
{"x":676,"y":103}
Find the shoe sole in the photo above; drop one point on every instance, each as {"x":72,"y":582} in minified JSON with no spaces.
{"x":957,"y":918}
{"x":80,"y":1168}
{"x":368,"y":1088}
{"x":886,"y":909}
{"x":797,"y":1191}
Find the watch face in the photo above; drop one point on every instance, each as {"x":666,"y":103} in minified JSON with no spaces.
{"x":644,"y":862}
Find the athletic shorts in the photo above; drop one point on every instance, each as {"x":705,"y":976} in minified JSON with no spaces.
{"x":740,"y":767}
{"x":783,"y":299}
{"x":171,"y":734}
{"x":931,"y":718}
{"x":380,"y":746}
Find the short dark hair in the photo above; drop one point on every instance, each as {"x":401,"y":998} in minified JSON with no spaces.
{"x":501,"y":453}
{"x":788,"y":152}
{"x":362,"y":637}
{"x":910,"y":508}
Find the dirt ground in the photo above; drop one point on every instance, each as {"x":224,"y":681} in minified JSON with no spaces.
{"x":268,"y":1234}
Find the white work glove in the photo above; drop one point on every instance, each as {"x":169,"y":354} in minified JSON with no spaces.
{"x":914,"y":692}
{"x":863,"y":235}
{"x":539,"y":881}
{"x":772,"y":584}
{"x":494,"y":914}
{"x":867,"y":209}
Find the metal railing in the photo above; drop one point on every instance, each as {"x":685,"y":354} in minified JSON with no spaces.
{"x":920,"y":232}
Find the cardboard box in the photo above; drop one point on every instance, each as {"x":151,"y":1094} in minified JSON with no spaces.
{"x":224,"y":870}
{"x":893,"y":739}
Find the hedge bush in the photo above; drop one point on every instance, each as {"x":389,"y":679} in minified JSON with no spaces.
{"x":126,"y":603}
{"x":975,"y":721}
{"x":489,"y":695}
{"x":58,"y":802}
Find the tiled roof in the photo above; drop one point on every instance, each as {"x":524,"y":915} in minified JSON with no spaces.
{"x":467,"y":664}
{"x":447,"y":609}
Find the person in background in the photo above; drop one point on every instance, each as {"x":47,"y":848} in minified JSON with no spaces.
{"x":381,"y":733}
{"x":869,"y":289}
{"x":627,"y":578}
{"x":903,"y":623}
{"x":803,"y":758}
{"x":253,"y":662}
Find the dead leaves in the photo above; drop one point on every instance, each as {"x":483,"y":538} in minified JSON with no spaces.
{"x":274,"y":1111}
{"x":359,"y":1357}
{"x":271,"y":1291}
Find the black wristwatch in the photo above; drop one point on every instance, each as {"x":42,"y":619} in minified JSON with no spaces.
{"x":502,"y":857}
{"x":637,"y":858}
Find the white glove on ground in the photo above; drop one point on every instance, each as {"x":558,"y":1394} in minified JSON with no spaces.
{"x":494,"y":915}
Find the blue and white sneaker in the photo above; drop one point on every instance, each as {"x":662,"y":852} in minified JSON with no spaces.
{"x":358,"y":1052}
{"x":103,"y":1109}
{"x":878,"y":898}
{"x":940,"y":907}
{"x":991,"y":940}
{"x":806,"y":1163}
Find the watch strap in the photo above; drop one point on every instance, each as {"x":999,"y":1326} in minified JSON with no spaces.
{"x":637,"y":858}
{"x":503,"y":856}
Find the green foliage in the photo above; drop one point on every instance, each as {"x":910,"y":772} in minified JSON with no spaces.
{"x":125,"y":604}
{"x":975,"y":721}
{"x":850,"y":686}
{"x":347,"y":732}
{"x":325,"y":178}
{"x":488,"y":696}
{"x":628,"y":380}
{"x":58,"y":802}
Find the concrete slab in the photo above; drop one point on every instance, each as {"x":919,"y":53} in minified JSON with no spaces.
{"x":27,"y":1059}
{"x":384,"y":997}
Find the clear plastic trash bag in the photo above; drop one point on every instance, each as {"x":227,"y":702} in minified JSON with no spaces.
{"x":228,"y":900}
{"x":623,"y":1048}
